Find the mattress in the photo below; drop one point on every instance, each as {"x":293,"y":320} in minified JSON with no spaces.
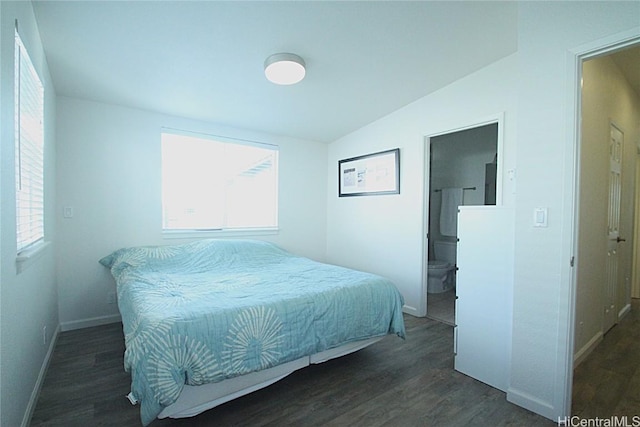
{"x":215,"y":309}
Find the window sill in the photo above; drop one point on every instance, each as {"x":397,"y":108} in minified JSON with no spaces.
{"x":239,"y":232}
{"x":28,"y":257}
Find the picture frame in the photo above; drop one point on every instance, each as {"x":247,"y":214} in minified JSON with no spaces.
{"x":370,"y":174}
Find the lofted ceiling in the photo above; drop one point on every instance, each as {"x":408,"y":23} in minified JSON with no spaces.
{"x":204,"y":59}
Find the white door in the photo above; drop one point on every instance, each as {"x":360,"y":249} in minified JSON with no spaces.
{"x":613,"y":229}
{"x":484,"y":289}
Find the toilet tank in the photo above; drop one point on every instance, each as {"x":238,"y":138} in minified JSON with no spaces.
{"x":445,"y":251}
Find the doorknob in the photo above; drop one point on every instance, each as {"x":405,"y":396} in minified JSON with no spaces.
{"x":620,"y":239}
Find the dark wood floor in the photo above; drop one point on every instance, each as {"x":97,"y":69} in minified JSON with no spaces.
{"x":392,"y":383}
{"x":608,"y":382}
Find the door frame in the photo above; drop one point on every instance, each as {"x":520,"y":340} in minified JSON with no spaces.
{"x":566,"y":324}
{"x":635,"y":267}
{"x":497,"y":118}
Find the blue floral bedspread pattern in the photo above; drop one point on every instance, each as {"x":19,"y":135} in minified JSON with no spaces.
{"x":215,"y":309}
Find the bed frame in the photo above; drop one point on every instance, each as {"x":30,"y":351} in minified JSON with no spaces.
{"x":196,"y":399}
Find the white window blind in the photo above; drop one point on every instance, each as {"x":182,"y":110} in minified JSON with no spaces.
{"x":29,"y":141}
{"x":210,"y":183}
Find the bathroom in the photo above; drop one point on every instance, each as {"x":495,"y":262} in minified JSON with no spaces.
{"x":462,"y":171}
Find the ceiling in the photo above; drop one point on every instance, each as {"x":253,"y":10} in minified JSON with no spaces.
{"x":628,"y":60}
{"x":204,"y":60}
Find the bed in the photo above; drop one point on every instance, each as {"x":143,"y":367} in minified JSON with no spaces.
{"x":208,"y":321}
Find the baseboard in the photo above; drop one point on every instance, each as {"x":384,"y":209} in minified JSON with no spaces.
{"x":624,"y":311}
{"x":531,"y":403}
{"x":64,"y":326}
{"x":88,"y":323}
{"x":587,"y":349}
{"x":411,"y":310}
{"x":35,"y":394}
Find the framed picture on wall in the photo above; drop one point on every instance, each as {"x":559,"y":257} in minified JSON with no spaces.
{"x":371,"y":174}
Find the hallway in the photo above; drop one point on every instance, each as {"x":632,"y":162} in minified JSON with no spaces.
{"x":607,"y":383}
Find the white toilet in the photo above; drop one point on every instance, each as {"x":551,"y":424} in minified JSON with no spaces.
{"x":441,"y":271}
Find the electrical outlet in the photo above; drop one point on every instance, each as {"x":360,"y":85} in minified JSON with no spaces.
{"x":111,"y":298}
{"x":44,"y":335}
{"x":67,"y":212}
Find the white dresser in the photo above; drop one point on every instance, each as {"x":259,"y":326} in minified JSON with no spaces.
{"x":484,"y":289}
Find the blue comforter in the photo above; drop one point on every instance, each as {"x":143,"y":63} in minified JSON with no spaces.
{"x":215,"y":309}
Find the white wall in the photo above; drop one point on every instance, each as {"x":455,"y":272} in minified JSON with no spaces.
{"x":109,"y":172}
{"x":606,"y":97}
{"x":548,"y":33}
{"x":28,"y":300}
{"x":385,"y":234}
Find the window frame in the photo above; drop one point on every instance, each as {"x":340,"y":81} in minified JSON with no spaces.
{"x":29,"y":157}
{"x":168,"y":233}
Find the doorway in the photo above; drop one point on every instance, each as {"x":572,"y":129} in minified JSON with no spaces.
{"x":603,"y":286}
{"x":463,"y":170}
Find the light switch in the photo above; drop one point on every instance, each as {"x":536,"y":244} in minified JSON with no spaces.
{"x":540,"y":217}
{"x":67,"y":212}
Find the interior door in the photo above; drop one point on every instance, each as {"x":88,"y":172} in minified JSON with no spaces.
{"x":616,"y":141}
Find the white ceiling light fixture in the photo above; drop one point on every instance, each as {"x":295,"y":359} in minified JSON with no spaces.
{"x":284,"y":68}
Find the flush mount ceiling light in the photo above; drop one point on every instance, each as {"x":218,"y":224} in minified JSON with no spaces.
{"x":284,"y":68}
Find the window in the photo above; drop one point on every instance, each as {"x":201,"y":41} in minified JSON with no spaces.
{"x":29,"y":141}
{"x":211,"y":183}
